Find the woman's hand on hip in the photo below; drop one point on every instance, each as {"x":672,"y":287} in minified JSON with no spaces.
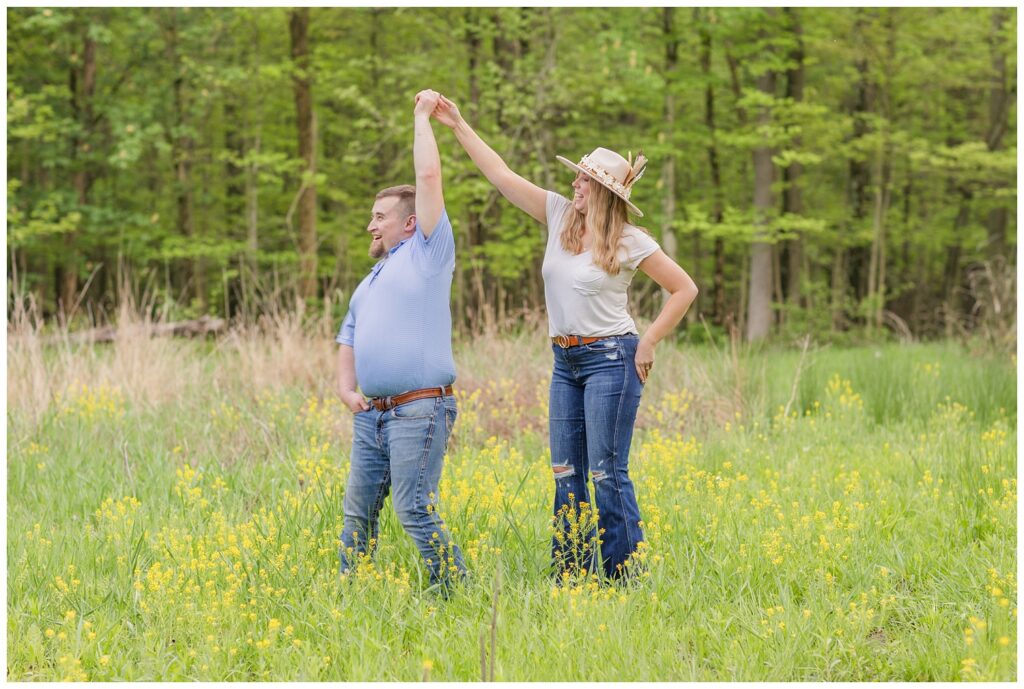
{"x":644,"y":359}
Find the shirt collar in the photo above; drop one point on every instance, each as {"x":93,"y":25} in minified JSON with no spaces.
{"x":379,"y":265}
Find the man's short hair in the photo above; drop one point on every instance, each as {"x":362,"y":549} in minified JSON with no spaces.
{"x":406,"y":194}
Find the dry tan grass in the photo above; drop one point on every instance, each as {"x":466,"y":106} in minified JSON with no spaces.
{"x":44,"y":363}
{"x":284,"y":347}
{"x":714,"y":379}
{"x":285,"y":350}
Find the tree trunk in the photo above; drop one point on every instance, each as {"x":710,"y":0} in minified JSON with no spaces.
{"x":778,"y":294}
{"x":466,"y":302}
{"x":305,"y":120}
{"x":668,"y":171}
{"x":182,"y":147}
{"x":545,"y":144}
{"x":252,"y":206}
{"x":251,"y":149}
{"x":951,"y":273}
{"x":82,"y":83}
{"x":388,"y":152}
{"x":920,"y":293}
{"x":903,"y":304}
{"x":839,"y":288}
{"x":719,"y":281}
{"x":792,"y":200}
{"x":741,"y":309}
{"x":908,"y":195}
{"x":998,"y":121}
{"x":883,"y":172}
{"x":860,"y":172}
{"x":759,"y":320}
{"x":717,"y":204}
{"x":508,"y":51}
{"x":876,"y":268}
{"x":234,"y":171}
{"x":996,"y":224}
{"x":741,"y":115}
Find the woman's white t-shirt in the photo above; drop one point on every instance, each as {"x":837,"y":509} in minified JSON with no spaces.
{"x":582,"y":299}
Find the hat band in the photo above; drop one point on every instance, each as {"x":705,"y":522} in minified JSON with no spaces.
{"x":605,"y":177}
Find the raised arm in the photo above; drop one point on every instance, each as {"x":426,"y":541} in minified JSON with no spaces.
{"x":523,"y":194}
{"x":429,"y":194}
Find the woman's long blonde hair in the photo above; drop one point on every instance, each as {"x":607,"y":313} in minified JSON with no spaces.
{"x":606,"y":217}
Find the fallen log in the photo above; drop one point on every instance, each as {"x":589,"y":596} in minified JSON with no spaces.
{"x":196,"y":327}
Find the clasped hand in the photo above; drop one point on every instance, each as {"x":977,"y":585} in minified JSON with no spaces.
{"x":426,"y":101}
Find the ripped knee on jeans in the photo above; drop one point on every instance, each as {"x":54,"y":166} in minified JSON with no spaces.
{"x":563,"y":471}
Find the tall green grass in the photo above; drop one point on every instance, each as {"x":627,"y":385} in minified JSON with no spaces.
{"x":173,"y":512}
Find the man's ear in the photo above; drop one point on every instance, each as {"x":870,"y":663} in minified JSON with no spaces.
{"x":410,"y":223}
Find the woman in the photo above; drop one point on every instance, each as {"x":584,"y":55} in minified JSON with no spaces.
{"x":601,"y":363}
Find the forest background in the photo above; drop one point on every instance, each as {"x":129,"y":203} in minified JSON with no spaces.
{"x":847,"y":172}
{"x":841,"y":510}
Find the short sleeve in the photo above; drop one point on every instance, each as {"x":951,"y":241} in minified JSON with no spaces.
{"x":639,"y":245}
{"x":347,"y":333}
{"x":436,"y":252}
{"x":555,"y":209}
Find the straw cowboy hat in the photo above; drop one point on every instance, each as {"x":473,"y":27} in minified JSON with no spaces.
{"x":612,"y":171}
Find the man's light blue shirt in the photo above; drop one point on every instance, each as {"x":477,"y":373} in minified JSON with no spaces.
{"x":399,"y":320}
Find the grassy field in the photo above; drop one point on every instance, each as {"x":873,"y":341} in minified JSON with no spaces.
{"x":173,"y":510}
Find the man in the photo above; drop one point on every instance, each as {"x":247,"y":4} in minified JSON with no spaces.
{"x":396,"y":345}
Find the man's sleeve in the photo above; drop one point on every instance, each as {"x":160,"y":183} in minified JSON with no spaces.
{"x":347,"y":334}
{"x":437,"y":252}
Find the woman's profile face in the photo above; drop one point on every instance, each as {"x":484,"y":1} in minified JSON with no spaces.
{"x":581,"y":189}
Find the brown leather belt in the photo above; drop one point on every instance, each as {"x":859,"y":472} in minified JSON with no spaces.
{"x":566,"y":341}
{"x":386,"y":403}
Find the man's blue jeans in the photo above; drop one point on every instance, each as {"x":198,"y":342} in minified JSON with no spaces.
{"x":401,"y":451}
{"x":595,"y":392}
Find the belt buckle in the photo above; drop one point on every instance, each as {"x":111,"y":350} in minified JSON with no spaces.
{"x":563,"y":341}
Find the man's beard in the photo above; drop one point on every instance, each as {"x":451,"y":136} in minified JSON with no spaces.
{"x":377,"y":249}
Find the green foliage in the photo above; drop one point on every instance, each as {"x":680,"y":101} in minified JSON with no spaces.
{"x":46,"y":219}
{"x":189,"y":141}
